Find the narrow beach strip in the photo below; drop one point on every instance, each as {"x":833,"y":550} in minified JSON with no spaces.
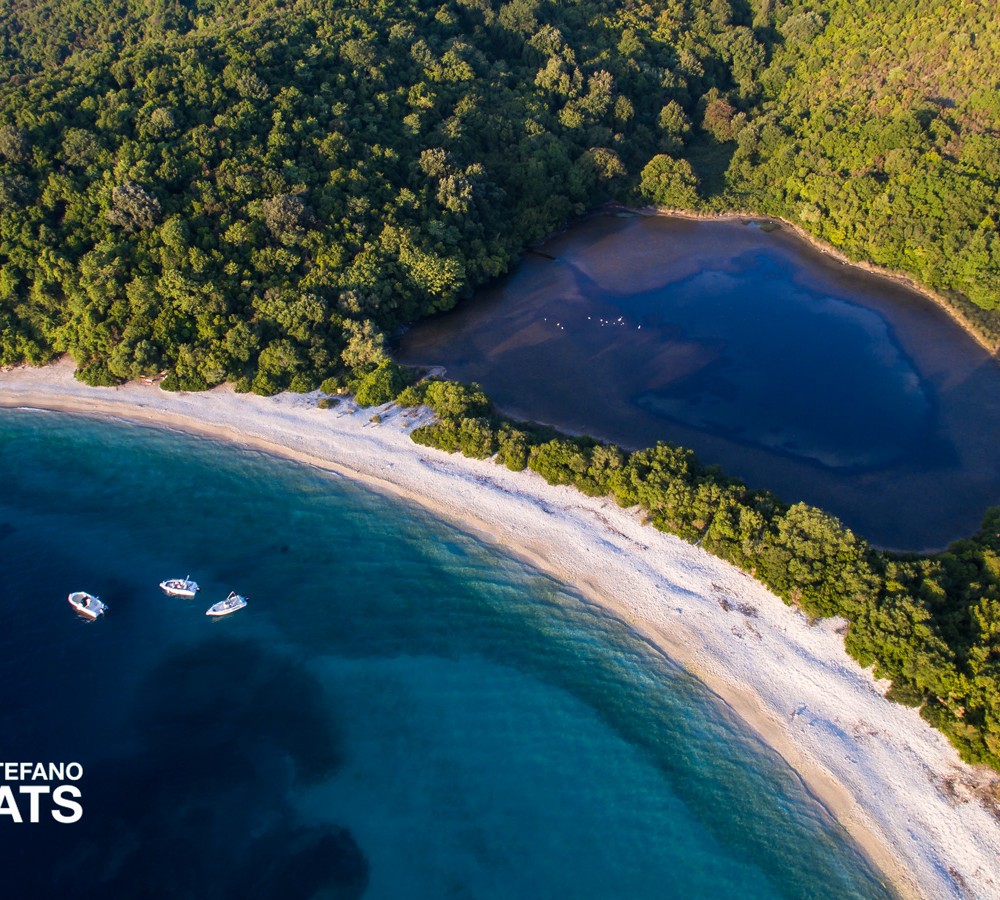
{"x":895,"y":783}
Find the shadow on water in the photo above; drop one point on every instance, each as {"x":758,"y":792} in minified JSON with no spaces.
{"x":735,"y":787}
{"x":199,"y":809}
{"x":792,"y":372}
{"x":389,"y":665}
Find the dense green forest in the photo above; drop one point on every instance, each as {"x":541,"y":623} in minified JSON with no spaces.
{"x":256,"y":191}
{"x":931,"y":625}
{"x":259,"y":191}
{"x":260,"y":197}
{"x":878,"y":130}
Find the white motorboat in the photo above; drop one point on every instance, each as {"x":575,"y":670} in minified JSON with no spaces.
{"x":180,"y":587}
{"x":224,"y":607}
{"x":87,"y":604}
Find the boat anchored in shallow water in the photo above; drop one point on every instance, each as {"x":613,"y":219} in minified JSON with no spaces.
{"x":224,"y":607}
{"x":87,"y":604}
{"x":180,"y":587}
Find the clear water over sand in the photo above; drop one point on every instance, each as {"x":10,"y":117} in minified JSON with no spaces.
{"x":398,"y":712}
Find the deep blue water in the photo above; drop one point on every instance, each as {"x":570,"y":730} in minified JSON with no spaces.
{"x":399,"y":712}
{"x":789,"y":370}
{"x":806,"y":397}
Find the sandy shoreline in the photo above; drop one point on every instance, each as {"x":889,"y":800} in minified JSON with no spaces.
{"x":894,"y":782}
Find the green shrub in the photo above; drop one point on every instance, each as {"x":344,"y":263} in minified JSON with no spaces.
{"x":513,"y":446}
{"x":96,"y":374}
{"x":335,"y":384}
{"x":412,"y":395}
{"x":808,"y":557}
{"x":450,"y":399}
{"x":470,"y":437}
{"x":382,"y":385}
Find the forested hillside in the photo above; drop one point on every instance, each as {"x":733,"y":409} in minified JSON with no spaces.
{"x":256,"y":199}
{"x":257,"y":190}
{"x":878,"y":129}
{"x":36,"y":35}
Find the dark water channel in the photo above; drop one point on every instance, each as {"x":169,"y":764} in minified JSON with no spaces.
{"x":789,"y":369}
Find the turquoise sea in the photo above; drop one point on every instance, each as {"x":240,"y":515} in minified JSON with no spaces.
{"x":400,"y":712}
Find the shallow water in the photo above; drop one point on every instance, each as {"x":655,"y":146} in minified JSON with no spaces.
{"x":788,"y":369}
{"x":399,"y":711}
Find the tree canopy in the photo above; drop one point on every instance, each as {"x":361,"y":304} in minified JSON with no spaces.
{"x":930,"y":625}
{"x":234,"y":190}
{"x":259,"y":191}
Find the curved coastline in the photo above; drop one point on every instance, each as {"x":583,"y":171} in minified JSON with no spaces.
{"x":894,"y":783}
{"x":830,"y":252}
{"x":896,"y":445}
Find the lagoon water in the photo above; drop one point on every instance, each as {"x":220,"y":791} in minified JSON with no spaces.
{"x":399,"y":712}
{"x":790,"y":370}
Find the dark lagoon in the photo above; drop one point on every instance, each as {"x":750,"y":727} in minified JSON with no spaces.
{"x":789,"y":369}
